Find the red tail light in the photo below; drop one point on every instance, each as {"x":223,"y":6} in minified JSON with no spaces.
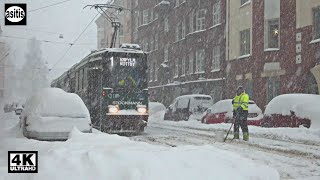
{"x":104,"y":93}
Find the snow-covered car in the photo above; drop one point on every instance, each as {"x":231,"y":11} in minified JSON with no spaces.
{"x":185,"y":106}
{"x":9,"y":107}
{"x":293,"y":110}
{"x":51,"y":114}
{"x":222,"y":112}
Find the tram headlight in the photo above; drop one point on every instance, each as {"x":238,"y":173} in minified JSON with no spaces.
{"x":142,"y":109}
{"x":113,"y":109}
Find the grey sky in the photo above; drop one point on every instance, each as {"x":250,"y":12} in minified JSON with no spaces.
{"x":68,"y":18}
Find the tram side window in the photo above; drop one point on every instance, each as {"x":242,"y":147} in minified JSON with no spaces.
{"x":81,"y":79}
{"x":85,"y":77}
{"x":77,"y":81}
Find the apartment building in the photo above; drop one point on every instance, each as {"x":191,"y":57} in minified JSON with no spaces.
{"x":270,"y":47}
{"x":4,"y":53}
{"x":185,"y":40}
{"x":273,"y":47}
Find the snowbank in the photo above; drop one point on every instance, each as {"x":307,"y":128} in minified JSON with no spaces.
{"x":156,"y":111}
{"x":102,"y":156}
{"x":303,"y":105}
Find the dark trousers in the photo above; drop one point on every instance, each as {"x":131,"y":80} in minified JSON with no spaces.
{"x":241,"y":121}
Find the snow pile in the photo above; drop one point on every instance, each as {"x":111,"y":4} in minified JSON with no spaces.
{"x":54,"y":110}
{"x":303,"y":105}
{"x":103,"y":156}
{"x":156,"y":111}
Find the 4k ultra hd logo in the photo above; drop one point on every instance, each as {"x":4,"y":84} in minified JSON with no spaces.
{"x":22,"y":162}
{"x":15,"y":14}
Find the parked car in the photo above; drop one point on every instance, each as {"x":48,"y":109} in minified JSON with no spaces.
{"x":184,"y":106}
{"x":222,"y":112}
{"x":9,"y":107}
{"x":293,"y":110}
{"x":51,"y":113}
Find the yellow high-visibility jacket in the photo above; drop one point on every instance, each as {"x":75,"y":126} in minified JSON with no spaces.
{"x":242,"y":100}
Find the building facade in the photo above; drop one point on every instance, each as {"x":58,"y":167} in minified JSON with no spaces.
{"x":270,"y":47}
{"x":273,"y":47}
{"x":4,"y":53}
{"x":105,"y":29}
{"x":185,"y":40}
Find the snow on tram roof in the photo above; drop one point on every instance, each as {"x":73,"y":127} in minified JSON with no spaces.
{"x":119,"y":50}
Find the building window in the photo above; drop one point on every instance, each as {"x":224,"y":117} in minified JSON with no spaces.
{"x":245,"y":42}
{"x":216,"y":13}
{"x":166,"y":24}
{"x":201,"y":20}
{"x":244,"y":1}
{"x":200,"y":60}
{"x":155,"y":72}
{"x":216,"y":58}
{"x":249,"y":88}
{"x":151,"y":44}
{"x":191,"y":60}
{"x":273,"y":88}
{"x":136,"y":21}
{"x":176,"y":69}
{"x":145,"y":17}
{"x":156,"y":39}
{"x":316,"y":23}
{"x":166,"y":53}
{"x":151,"y":73}
{"x":121,"y":30}
{"x":273,"y":33}
{"x":183,"y":66}
{"x":191,"y":22}
{"x":180,"y":30}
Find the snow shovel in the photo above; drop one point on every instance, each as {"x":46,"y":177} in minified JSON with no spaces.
{"x":230,"y":127}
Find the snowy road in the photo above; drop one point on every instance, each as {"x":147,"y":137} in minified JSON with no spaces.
{"x":293,"y":159}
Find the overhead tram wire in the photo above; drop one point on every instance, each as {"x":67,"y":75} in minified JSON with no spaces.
{"x":48,"y":6}
{"x":33,"y":10}
{"x":66,"y":52}
{"x":43,"y":40}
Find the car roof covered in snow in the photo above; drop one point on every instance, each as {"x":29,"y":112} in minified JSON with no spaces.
{"x":303,"y":106}
{"x":54,"y":102}
{"x":194,"y":95}
{"x":226,"y":106}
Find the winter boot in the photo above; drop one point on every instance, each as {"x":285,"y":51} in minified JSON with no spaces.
{"x":236,"y":136}
{"x":246,"y":136}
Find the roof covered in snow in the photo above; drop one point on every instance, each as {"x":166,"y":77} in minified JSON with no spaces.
{"x":303,"y":105}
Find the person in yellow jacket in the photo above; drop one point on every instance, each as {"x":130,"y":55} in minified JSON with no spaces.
{"x":128,"y":81}
{"x":240,"y":113}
